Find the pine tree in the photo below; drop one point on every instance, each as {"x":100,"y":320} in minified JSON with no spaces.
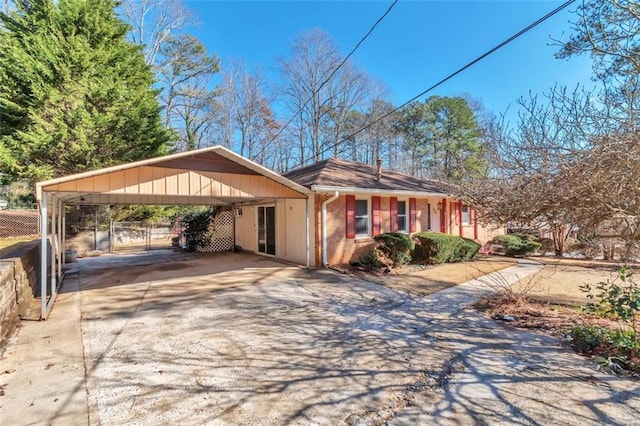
{"x":75,"y":95}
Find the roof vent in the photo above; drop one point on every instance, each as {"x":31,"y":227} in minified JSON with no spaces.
{"x":379,"y":173}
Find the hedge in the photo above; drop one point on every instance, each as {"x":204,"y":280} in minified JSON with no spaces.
{"x":515,"y":245}
{"x":396,"y":246}
{"x":433,"y":247}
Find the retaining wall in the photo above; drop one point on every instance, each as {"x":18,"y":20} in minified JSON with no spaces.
{"x":19,"y":285}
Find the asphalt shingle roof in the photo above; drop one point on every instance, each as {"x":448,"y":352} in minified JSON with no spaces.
{"x":347,"y":174}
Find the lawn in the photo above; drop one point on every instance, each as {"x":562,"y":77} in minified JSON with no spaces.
{"x":8,"y":242}
{"x":560,"y":280}
{"x":422,"y":280}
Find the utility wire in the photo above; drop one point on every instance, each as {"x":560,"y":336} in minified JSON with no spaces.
{"x":333,"y":73}
{"x":453,"y":74}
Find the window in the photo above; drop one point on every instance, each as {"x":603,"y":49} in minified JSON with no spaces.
{"x":466,"y":215}
{"x":402,"y":216}
{"x":362,"y":218}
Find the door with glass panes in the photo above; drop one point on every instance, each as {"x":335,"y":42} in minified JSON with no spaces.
{"x":267,"y":230}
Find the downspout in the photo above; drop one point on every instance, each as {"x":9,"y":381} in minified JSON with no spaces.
{"x":324,"y":226}
{"x":306,"y":229}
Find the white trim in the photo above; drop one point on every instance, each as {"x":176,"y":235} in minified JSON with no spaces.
{"x":387,"y":192}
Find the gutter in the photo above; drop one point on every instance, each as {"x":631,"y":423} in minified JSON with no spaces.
{"x":336,"y":194}
{"x":383,"y":192}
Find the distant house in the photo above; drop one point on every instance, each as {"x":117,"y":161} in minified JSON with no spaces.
{"x":353,"y":202}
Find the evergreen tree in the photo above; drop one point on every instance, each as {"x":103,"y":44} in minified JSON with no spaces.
{"x":74,"y":93}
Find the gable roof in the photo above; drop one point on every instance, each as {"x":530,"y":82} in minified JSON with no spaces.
{"x":209,"y":176}
{"x":335,"y":175}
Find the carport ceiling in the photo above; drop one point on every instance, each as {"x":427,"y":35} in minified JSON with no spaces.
{"x":211,"y":176}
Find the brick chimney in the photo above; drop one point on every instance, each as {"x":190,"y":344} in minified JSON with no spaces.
{"x":379,"y":173}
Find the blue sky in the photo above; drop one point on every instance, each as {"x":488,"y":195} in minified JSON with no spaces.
{"x":417,"y":44}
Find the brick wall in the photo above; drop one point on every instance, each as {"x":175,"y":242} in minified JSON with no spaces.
{"x":342,"y":250}
{"x":19,"y":285}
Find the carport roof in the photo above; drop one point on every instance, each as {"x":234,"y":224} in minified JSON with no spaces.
{"x":209,"y":176}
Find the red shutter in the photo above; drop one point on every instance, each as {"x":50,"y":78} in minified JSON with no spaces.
{"x":443,"y":216}
{"x":393,"y":209}
{"x":460,"y":230}
{"x":475,"y":223}
{"x":351,"y":216}
{"x":412,"y":215}
{"x":375,"y":217}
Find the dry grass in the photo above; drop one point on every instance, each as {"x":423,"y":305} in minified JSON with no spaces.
{"x":8,"y":242}
{"x":560,"y":280}
{"x":423,"y":280}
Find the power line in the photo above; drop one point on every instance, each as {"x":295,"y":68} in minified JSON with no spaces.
{"x":333,"y":73}
{"x":453,"y":74}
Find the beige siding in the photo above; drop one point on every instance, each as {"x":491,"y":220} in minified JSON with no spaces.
{"x":246,"y":231}
{"x":291,"y":242}
{"x":149,"y":180}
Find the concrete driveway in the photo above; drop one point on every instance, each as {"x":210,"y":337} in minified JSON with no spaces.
{"x":242,"y":339}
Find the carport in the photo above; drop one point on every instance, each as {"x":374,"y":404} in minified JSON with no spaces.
{"x":212,"y":176}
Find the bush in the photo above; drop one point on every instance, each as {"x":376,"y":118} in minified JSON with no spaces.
{"x":370,"y":260}
{"x":433,"y":247}
{"x":586,"y":338}
{"x":198,"y":231}
{"x":396,"y":246}
{"x":515,"y":245}
{"x":618,"y":299}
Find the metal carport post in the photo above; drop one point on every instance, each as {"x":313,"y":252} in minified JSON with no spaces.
{"x":51,"y":272}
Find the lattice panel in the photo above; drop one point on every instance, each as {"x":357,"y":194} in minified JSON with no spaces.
{"x":19,"y":223}
{"x":222,"y":231}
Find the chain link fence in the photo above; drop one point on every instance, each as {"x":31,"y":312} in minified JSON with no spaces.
{"x":16,"y":223}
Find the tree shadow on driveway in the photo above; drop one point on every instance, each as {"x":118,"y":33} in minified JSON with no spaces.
{"x":271,"y":344}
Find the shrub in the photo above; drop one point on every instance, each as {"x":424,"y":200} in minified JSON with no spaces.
{"x":433,"y":247}
{"x":371,"y":260}
{"x":619,"y":299}
{"x":586,"y":338}
{"x":514,"y":245}
{"x":396,"y":246}
{"x":198,"y":231}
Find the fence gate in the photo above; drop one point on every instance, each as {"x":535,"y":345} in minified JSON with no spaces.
{"x":138,"y":236}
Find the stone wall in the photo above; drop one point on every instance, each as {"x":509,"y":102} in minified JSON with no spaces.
{"x":19,"y":285}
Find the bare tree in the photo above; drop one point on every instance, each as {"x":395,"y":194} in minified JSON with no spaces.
{"x":609,"y":30}
{"x":186,"y":70}
{"x":153,"y":22}
{"x":245,"y":108}
{"x":320,"y":93}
